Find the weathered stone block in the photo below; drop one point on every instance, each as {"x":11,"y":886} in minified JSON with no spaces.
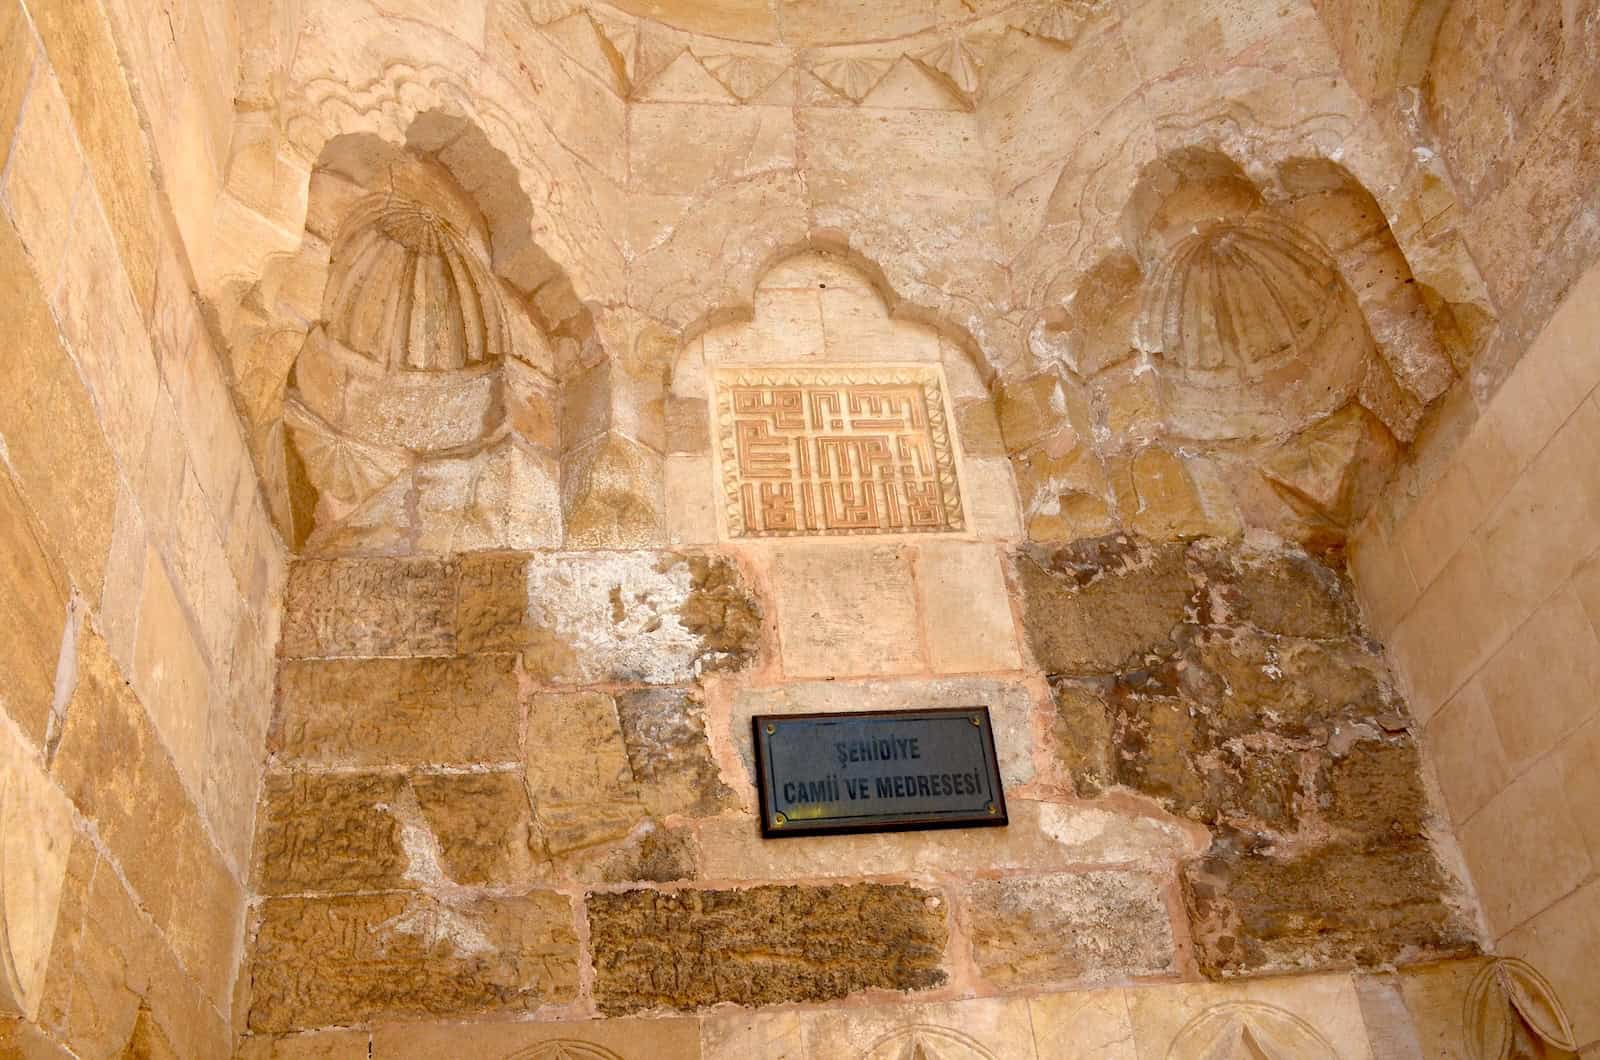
{"x":582,"y":784}
{"x":643,"y":617}
{"x":483,"y":826}
{"x":1094,"y":606}
{"x":378,"y":712}
{"x":722,"y":611}
{"x":33,"y":609}
{"x":322,"y":962}
{"x":492,"y":604}
{"x":36,"y":825}
{"x":765,"y":945}
{"x":366,"y":607}
{"x":54,"y":441}
{"x":1032,"y":930}
{"x":330,"y":832}
{"x":845,"y":610}
{"x":669,"y":755}
{"x":1335,"y":906}
{"x":1082,"y":733}
{"x":112,"y":765}
{"x":1287,"y":593}
{"x":113,"y":979}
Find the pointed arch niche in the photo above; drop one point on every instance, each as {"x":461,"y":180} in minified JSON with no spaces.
{"x":824,"y":316}
{"x":405,"y":385}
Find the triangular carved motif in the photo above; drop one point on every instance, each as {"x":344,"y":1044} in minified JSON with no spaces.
{"x":852,"y":78}
{"x":544,"y":12}
{"x":619,"y":40}
{"x":744,"y":75}
{"x":956,"y":64}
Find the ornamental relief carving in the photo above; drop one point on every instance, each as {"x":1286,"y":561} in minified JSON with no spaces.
{"x":1511,"y":1010}
{"x":836,"y":451}
{"x":1249,"y":1030}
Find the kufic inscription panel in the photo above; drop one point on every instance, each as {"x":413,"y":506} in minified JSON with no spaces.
{"x":830,"y":451}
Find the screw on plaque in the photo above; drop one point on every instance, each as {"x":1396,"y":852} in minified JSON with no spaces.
{"x":779,"y":820}
{"x":992,"y":808}
{"x":976,"y":720}
{"x":771,"y":728}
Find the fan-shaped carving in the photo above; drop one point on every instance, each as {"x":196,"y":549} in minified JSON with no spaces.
{"x":1506,"y":993}
{"x":565,"y":1049}
{"x":744,"y":75}
{"x":924,"y":1042}
{"x":852,"y":78}
{"x":1062,"y":20}
{"x":409,"y":291}
{"x":956,"y":62}
{"x":343,"y":469}
{"x":1249,"y":1030}
{"x":1238,"y":299}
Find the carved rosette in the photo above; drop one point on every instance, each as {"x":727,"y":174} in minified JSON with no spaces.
{"x":410,"y":291}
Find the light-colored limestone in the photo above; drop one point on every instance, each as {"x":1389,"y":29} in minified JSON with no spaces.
{"x":36,"y":822}
{"x":1525,"y":848}
{"x":962,"y":594}
{"x":1308,"y":1016}
{"x":846,"y":610}
{"x":1040,"y":192}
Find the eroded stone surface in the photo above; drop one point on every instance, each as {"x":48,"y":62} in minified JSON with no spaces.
{"x":652,"y":618}
{"x":1266,"y":717}
{"x":1092,"y":606}
{"x":369,"y":607}
{"x":692,"y":949}
{"x":582,"y":783}
{"x":483,"y":826}
{"x":330,"y":832}
{"x":376,"y":712}
{"x":330,"y":961}
{"x":1041,"y":929}
{"x":668,"y":752}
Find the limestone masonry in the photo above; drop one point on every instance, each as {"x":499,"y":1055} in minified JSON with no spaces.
{"x":435,"y":429}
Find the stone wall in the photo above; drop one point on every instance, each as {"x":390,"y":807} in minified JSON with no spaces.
{"x":140,"y":577}
{"x":512,"y":786}
{"x":1483,"y":581}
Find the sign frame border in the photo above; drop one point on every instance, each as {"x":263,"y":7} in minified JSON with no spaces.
{"x":999,"y":819}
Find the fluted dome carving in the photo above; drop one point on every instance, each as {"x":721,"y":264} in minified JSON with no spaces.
{"x":411,"y":292}
{"x":1240,"y":299}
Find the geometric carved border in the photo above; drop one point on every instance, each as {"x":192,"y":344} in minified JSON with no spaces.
{"x":836,"y":451}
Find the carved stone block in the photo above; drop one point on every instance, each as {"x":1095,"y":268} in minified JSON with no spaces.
{"x":1031,"y":930}
{"x":35,"y":840}
{"x":765,"y":945}
{"x":329,"y":961}
{"x":330,"y":832}
{"x":830,"y":451}
{"x":369,"y":607}
{"x":378,"y":712}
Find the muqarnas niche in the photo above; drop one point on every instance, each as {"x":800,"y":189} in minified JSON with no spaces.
{"x":402,"y":411}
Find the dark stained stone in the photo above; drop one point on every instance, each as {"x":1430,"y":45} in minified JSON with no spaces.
{"x":761,"y":946}
{"x":1084,"y":620}
{"x":322,"y":962}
